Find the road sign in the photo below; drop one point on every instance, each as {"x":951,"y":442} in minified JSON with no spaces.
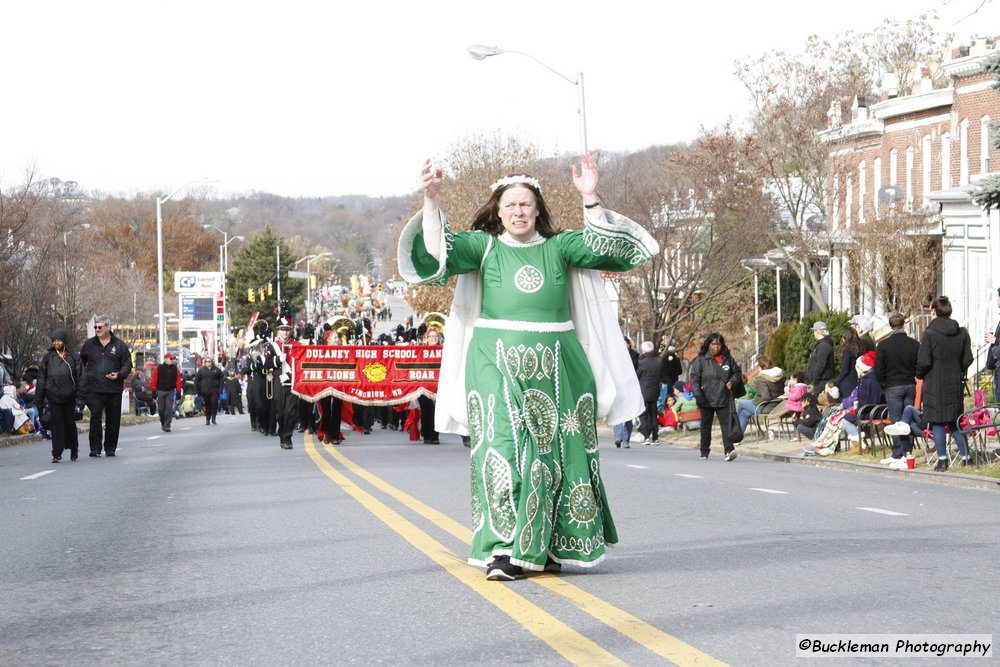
{"x":302,"y":275}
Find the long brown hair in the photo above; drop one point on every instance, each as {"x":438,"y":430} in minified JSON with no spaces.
{"x":853,"y":341}
{"x":488,"y":217}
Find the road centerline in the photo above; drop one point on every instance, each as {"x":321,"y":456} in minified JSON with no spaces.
{"x":639,"y":631}
{"x":570,"y":644}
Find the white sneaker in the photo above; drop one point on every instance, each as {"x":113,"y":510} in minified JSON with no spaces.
{"x":898,"y":464}
{"x":899,"y":428}
{"x":889,"y":460}
{"x":854,"y":438}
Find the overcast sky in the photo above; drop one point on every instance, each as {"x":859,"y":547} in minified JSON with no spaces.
{"x":338,"y":98}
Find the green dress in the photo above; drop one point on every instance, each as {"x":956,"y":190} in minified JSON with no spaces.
{"x":537,"y":491}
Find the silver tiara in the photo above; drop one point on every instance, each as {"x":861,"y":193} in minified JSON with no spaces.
{"x":516,"y":180}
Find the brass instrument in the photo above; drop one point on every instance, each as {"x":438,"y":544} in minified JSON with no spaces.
{"x":435,"y":321}
{"x":343,"y":327}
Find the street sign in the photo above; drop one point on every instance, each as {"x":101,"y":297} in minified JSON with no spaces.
{"x":301,"y":275}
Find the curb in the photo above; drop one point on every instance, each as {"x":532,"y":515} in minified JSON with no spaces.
{"x":929,"y":476}
{"x":14,"y":440}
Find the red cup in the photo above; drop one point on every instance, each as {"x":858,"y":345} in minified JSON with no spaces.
{"x":910,"y":462}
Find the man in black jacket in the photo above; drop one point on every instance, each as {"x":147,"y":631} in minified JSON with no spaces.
{"x":820,"y":366}
{"x":896,"y":370}
{"x":208,"y":383}
{"x":107,"y":361}
{"x":993,"y":358}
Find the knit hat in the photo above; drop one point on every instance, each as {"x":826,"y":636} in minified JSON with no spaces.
{"x":865,"y":362}
{"x":680,"y":386}
{"x":863,"y":322}
{"x":59,"y":334}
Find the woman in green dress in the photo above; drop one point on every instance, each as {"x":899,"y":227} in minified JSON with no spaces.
{"x":530,"y":401}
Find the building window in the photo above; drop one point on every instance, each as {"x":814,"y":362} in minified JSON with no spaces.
{"x":836,"y":202}
{"x":909,"y":178}
{"x":876,"y":185}
{"x":963,"y":153}
{"x":945,"y":161}
{"x":925,"y":163}
{"x":862,"y":186}
{"x":984,"y":145}
{"x":848,"y":201}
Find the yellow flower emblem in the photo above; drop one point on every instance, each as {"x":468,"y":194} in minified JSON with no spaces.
{"x":376,"y":372}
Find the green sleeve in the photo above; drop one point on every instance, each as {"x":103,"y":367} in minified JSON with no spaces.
{"x":610,"y":243}
{"x":460,"y":252}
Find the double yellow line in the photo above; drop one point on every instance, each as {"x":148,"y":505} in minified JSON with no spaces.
{"x":569,"y":643}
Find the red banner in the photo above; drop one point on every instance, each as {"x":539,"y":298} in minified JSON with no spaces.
{"x":365,"y":374}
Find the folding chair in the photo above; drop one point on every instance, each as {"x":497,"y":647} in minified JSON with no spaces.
{"x":981,"y":427}
{"x":871,"y":421}
{"x":762,"y":419}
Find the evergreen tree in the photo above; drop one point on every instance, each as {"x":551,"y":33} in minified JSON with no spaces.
{"x":255,"y":267}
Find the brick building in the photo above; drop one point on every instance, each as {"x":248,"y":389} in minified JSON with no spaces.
{"x":933,"y":145}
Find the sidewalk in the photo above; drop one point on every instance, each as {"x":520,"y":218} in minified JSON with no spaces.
{"x":790,"y":451}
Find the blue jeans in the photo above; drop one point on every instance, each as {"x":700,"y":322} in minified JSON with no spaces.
{"x":623,"y":431}
{"x":912,"y":417}
{"x":897,"y":398}
{"x":941,"y":439}
{"x":745,"y":409}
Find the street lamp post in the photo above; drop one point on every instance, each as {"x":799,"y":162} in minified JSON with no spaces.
{"x":481,"y":52}
{"x":160,"y":201}
{"x":223,"y":269}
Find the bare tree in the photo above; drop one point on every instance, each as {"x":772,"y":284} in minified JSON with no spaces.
{"x":796,"y":95}
{"x":705,"y":207}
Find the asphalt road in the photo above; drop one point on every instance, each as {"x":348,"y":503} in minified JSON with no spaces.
{"x":211,"y":545}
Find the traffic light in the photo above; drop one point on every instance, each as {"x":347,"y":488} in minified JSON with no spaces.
{"x":312,"y":281}
{"x":270,"y":289}
{"x":250,"y":295}
{"x":261,"y":293}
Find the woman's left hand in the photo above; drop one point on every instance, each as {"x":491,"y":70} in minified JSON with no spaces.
{"x":585,"y":178}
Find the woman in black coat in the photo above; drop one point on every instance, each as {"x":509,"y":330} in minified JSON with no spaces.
{"x":944,"y":356}
{"x":651,"y":373}
{"x":713,"y":375}
{"x":58,"y":377}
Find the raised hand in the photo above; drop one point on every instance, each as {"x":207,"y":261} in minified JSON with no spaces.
{"x":430,"y":180}
{"x":585,"y":178}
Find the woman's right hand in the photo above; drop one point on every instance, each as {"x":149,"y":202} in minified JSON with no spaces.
{"x":430,"y":181}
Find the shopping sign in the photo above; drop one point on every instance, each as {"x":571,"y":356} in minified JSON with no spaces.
{"x":365,"y":374}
